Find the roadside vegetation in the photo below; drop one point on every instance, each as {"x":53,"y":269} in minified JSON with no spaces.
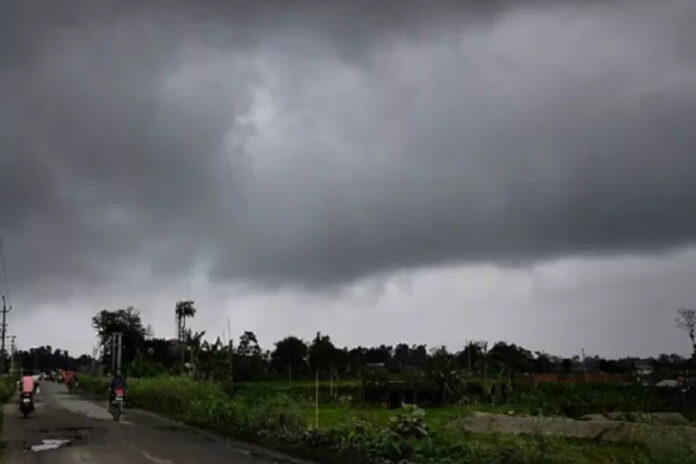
{"x":8,"y":387}
{"x":404,"y":404}
{"x":284,"y":418}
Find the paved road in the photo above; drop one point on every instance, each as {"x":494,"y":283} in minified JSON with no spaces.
{"x":96,"y":438}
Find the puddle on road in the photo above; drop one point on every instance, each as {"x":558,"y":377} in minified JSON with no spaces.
{"x":49,"y":445}
{"x":51,"y":439}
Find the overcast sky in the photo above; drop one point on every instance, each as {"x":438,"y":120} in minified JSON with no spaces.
{"x":426,"y":172}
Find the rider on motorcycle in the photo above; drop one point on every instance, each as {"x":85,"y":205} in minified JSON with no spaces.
{"x":72,"y":383}
{"x":117,"y":382}
{"x":28,"y":385}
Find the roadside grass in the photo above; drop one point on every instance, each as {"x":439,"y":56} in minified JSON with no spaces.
{"x":271,"y":414}
{"x":8,"y":386}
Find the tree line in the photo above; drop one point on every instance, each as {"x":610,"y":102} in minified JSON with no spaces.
{"x":291,"y":358}
{"x":46,"y":358}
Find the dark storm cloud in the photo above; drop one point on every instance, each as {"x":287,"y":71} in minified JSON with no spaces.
{"x":287,"y":144}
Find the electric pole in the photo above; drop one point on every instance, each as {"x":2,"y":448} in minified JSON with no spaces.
{"x":120,"y":349}
{"x":116,"y":348}
{"x":4,"y":331}
{"x":584,"y":365}
{"x":12,"y":352}
{"x":113,"y":353}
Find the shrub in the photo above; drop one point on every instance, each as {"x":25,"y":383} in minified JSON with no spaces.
{"x":93,"y":384}
{"x":8,"y":385}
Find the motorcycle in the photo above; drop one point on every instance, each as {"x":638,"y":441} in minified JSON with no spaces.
{"x":72,"y":385}
{"x":26,"y":404}
{"x":117,"y":404}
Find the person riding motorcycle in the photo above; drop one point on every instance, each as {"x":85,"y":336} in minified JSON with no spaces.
{"x":72,"y":382}
{"x":27,"y":385}
{"x":117,"y":382}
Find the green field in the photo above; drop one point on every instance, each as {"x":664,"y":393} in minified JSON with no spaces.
{"x":283,"y":416}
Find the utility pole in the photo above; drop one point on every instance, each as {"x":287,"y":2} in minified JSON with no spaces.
{"x":116,"y":347}
{"x":4,"y":331}
{"x":584,"y":365}
{"x":113,"y":354}
{"x":12,"y":352}
{"x":119,"y":350}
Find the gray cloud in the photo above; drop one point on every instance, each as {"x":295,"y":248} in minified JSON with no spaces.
{"x":286,"y":146}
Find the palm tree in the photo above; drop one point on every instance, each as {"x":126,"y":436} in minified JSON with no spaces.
{"x":183,"y":310}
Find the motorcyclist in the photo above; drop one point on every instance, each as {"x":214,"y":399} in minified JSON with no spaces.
{"x":117,"y":382}
{"x":72,"y":383}
{"x":27,"y":385}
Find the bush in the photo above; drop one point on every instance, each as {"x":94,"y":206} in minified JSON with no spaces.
{"x":8,"y":386}
{"x":206,"y":404}
{"x":93,"y":384}
{"x":406,"y":437}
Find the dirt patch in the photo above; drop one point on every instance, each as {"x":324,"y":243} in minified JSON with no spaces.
{"x":593,"y":429}
{"x":657,"y":418}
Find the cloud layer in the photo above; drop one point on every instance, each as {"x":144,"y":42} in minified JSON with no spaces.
{"x":281,"y":146}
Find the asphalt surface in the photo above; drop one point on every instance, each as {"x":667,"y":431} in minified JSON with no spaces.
{"x":95,"y":438}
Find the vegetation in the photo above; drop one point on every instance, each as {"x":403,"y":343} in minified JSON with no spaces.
{"x":8,"y":386}
{"x":687,"y":322}
{"x":127,"y":322}
{"x":269,"y":397}
{"x":183,"y":311}
{"x":281,"y":416}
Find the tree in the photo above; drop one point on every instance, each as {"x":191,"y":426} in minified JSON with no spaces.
{"x":380,"y":354}
{"x":356,"y":359}
{"x":126,"y":321}
{"x":514,"y":358}
{"x":402,"y":355}
{"x":321,"y":353}
{"x":248,"y":345}
{"x":687,"y":322}
{"x":249,"y":363}
{"x":43,"y":358}
{"x":470,"y":356}
{"x":289,"y":355}
{"x":443,"y":376}
{"x":183,"y":310}
{"x":418,"y":356}
{"x":193,"y":343}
